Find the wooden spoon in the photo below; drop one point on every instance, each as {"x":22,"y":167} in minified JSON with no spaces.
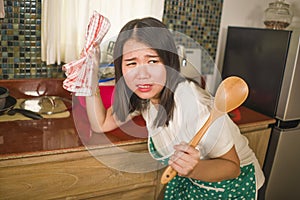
{"x":231,"y":93}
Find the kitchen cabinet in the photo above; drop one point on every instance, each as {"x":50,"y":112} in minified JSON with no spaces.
{"x":74,"y":174}
{"x":52,"y":160}
{"x":257,"y":128}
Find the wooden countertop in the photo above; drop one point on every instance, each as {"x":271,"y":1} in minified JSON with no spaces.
{"x":246,"y":118}
{"x":51,"y":136}
{"x":27,"y":138}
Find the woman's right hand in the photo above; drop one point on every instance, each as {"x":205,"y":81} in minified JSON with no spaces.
{"x":185,"y":159}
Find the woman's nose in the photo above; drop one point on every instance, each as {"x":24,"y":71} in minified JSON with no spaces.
{"x":143,"y":72}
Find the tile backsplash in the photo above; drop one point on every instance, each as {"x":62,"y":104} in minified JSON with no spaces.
{"x":20,"y":49}
{"x":198,"y":19}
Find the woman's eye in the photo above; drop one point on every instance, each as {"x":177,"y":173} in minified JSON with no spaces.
{"x":131,"y":64}
{"x":153,"y":61}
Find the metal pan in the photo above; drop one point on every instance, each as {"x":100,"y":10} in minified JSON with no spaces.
{"x":10,"y":110}
{"x":47,"y":104}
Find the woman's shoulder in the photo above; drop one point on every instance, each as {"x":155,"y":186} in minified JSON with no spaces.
{"x":184,"y":86}
{"x":188,"y":88}
{"x":189,"y":84}
{"x":190,"y":96}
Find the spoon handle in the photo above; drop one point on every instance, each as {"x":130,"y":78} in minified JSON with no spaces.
{"x":196,"y":139}
{"x":169,"y":172}
{"x":168,"y":175}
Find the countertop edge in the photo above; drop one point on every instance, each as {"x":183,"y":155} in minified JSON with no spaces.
{"x":65,"y":154}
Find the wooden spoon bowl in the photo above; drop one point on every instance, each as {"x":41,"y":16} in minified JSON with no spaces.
{"x":231,"y":93}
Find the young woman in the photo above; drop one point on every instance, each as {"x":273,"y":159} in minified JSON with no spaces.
{"x":148,"y":82}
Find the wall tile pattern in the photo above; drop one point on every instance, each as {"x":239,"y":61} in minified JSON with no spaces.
{"x":20,"y":35}
{"x":20,"y":50}
{"x":198,"y":19}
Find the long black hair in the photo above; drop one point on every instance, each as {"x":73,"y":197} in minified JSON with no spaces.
{"x":154,"y":34}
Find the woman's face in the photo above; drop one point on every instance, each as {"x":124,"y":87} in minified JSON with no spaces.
{"x":143,"y":70}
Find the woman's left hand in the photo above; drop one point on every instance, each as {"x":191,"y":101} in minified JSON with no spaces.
{"x":185,"y":159}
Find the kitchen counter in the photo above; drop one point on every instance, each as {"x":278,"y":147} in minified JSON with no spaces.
{"x":26,"y":138}
{"x":54,"y":158}
{"x":23,"y":138}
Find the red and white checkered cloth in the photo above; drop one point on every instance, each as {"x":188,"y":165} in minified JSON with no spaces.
{"x":80,"y":72}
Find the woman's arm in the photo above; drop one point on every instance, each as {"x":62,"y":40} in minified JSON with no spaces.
{"x":101,"y":120}
{"x":186,"y":161}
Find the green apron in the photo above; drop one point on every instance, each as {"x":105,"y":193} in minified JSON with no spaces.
{"x":182,"y":188}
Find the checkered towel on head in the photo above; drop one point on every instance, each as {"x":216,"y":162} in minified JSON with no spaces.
{"x":80,"y":72}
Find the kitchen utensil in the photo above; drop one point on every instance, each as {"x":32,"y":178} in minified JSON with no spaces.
{"x":10,"y":110}
{"x":231,"y":93}
{"x":47,"y":104}
{"x":27,"y":113}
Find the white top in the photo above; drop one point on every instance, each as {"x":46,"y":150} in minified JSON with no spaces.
{"x":192,"y":106}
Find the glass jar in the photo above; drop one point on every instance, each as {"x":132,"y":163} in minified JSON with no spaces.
{"x":278,"y":15}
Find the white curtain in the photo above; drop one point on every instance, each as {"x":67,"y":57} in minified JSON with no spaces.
{"x":64,"y":23}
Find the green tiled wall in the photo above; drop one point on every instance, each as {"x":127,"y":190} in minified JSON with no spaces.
{"x":20,"y":50}
{"x":198,"y":19}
